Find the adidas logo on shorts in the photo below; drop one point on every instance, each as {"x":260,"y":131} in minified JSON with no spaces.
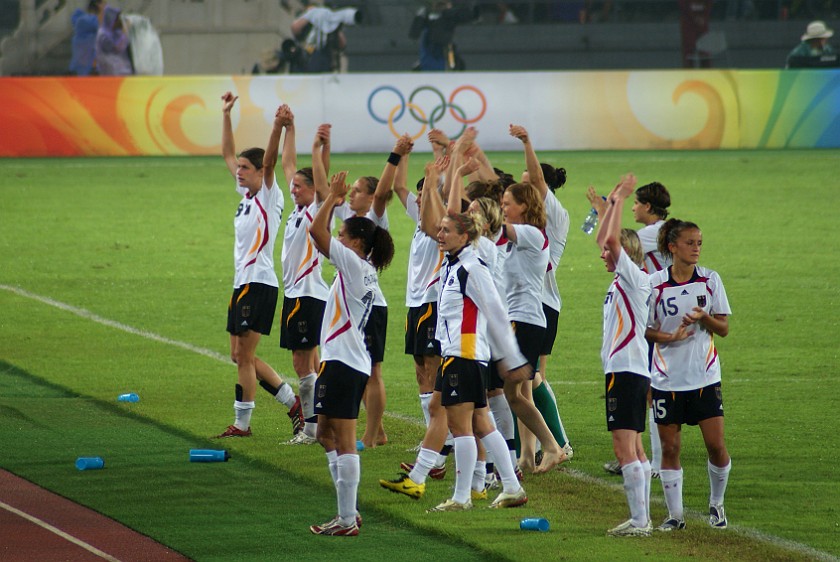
{"x":318,"y":405}
{"x":611,"y":419}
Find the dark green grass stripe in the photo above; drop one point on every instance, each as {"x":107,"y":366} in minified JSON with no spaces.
{"x":244,"y":509}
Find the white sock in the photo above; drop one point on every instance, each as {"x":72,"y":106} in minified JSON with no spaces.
{"x":655,"y":444}
{"x":349,"y":471}
{"x":425,"y":399}
{"x":646,"y":470}
{"x":332,"y":463}
{"x":479,"y":472}
{"x":285,"y":395}
{"x":242,"y":414}
{"x":466,"y":453}
{"x":672,"y":481}
{"x":502,"y":415}
{"x":634,"y":489}
{"x":307,"y":403}
{"x":718,"y":479}
{"x":495,"y":444}
{"x":425,"y":462}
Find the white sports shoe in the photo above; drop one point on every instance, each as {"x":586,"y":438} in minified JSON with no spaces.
{"x":613,"y":467}
{"x":627,"y":529}
{"x":301,"y":439}
{"x":569,"y":451}
{"x":451,"y":505}
{"x":510,"y":500}
{"x":717,"y":517}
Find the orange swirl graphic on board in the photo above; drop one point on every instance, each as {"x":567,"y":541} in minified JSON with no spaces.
{"x":711,"y":134}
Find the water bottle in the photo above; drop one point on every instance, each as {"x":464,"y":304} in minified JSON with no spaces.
{"x":90,"y":463}
{"x":590,"y":222}
{"x":534,"y":524}
{"x":208,"y":455}
{"x":130,"y":397}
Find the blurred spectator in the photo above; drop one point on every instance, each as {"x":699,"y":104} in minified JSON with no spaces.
{"x":435,"y":27}
{"x":146,"y":50}
{"x":112,"y":44}
{"x":694,"y":23}
{"x":814,"y":50}
{"x":319,"y":33}
{"x":83,"y":45}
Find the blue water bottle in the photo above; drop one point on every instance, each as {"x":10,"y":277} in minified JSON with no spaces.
{"x":90,"y":463}
{"x":130,"y":397}
{"x":590,"y":222}
{"x":208,"y":455}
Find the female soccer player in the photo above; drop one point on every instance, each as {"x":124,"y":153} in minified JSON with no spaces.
{"x":304,"y":290}
{"x":689,"y":308}
{"x":255,"y":284}
{"x":360,"y":251}
{"x":624,"y":356}
{"x":468,"y":329}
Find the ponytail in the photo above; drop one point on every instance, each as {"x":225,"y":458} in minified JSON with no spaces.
{"x":670,"y":232}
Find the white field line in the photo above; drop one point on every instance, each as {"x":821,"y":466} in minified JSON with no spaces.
{"x":43,"y":524}
{"x":581,"y":476}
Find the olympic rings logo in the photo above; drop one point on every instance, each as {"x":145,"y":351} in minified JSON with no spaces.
{"x":471,"y":99}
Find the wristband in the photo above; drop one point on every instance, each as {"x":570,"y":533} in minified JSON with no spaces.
{"x":394,"y":158}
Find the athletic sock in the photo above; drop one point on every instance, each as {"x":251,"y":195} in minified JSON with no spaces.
{"x":348,"y":470}
{"x":718,"y":479}
{"x":285,"y":395}
{"x":559,"y":417}
{"x":307,"y":402}
{"x":425,"y":462}
{"x":634,"y":489}
{"x":495,"y":443}
{"x":332,"y":464}
{"x":466,"y":453}
{"x":672,"y":481}
{"x":425,"y":400}
{"x":548,"y":409}
{"x":655,"y":444}
{"x":242,"y":412}
{"x":646,"y":470}
{"x":479,"y":473}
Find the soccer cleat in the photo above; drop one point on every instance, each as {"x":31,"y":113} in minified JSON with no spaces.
{"x":437,"y":472}
{"x":518,"y":472}
{"x":717,"y":517}
{"x":475,"y":495}
{"x":358,"y":520}
{"x":404,"y":485}
{"x":627,"y":529}
{"x":334,"y":528}
{"x":301,"y":439}
{"x":491,"y":482}
{"x":451,"y":505}
{"x":233,"y":431}
{"x":538,"y":457}
{"x":613,"y":467}
{"x":671,"y":524}
{"x":296,"y":415}
{"x":569,"y":452}
{"x":510,"y":500}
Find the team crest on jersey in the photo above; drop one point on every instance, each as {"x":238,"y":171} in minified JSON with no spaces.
{"x":451,"y":281}
{"x":453,"y":379}
{"x":719,"y":395}
{"x":246,"y":311}
{"x":322,"y":390}
{"x":612,"y":404}
{"x":430,"y":333}
{"x":701,"y":301}
{"x":302,"y":326}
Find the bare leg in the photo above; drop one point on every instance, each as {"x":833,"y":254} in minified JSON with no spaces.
{"x":374,"y":399}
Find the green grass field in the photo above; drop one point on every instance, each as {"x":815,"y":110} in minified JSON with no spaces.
{"x":115,"y":277}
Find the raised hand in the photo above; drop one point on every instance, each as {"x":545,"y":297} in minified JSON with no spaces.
{"x":404,"y":145}
{"x":519,"y":132}
{"x":338,"y":186}
{"x":228,"y":101}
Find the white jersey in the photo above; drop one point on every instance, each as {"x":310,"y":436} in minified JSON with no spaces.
{"x":486,"y":251}
{"x":648,"y":236}
{"x":557,"y":229}
{"x":693,"y":362}
{"x":468,"y":299}
{"x":343,"y":212}
{"x":424,"y":262}
{"x":348,"y":308}
{"x":498,"y":269}
{"x":625,"y":348}
{"x":301,"y":261}
{"x":255,"y":226}
{"x":525,"y":267}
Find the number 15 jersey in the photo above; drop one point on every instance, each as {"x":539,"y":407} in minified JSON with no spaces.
{"x":693,"y":362}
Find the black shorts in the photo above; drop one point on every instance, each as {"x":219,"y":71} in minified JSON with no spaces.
{"x":687,"y":406}
{"x":339,"y":390}
{"x":252,"y":307}
{"x":376,"y":331}
{"x":530,"y":340}
{"x":420,"y":324}
{"x":461,"y":381}
{"x":300,"y":326}
{"x":552,"y":317}
{"x":626,"y":401}
{"x":494,"y":380}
